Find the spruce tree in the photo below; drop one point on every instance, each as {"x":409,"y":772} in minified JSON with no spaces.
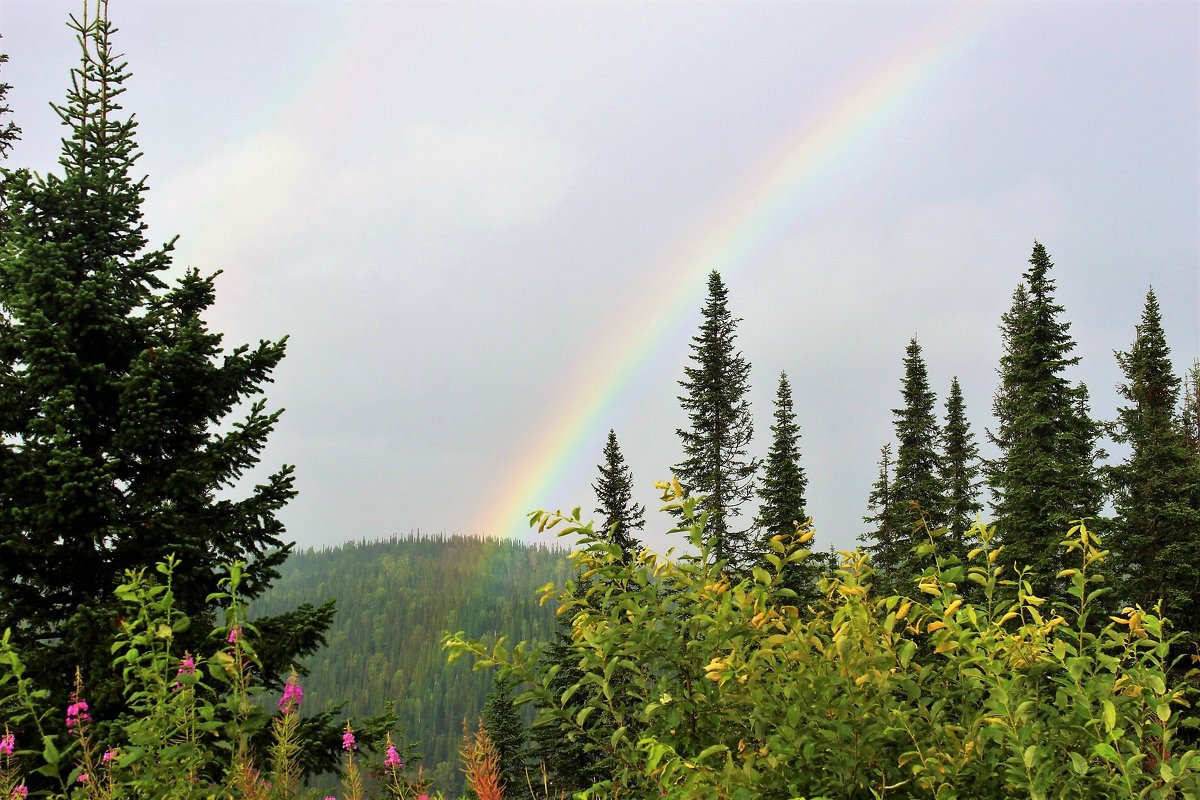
{"x":782,"y":490}
{"x":885,"y":542}
{"x":9,"y":132}
{"x":614,"y":491}
{"x":507,"y":732}
{"x":1156,"y":533}
{"x":917,"y":486}
{"x":914,"y":492}
{"x":960,"y":468}
{"x":716,"y":463}
{"x":1045,"y":476}
{"x":116,"y":442}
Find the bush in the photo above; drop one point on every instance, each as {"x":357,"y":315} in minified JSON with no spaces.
{"x":728,"y":689}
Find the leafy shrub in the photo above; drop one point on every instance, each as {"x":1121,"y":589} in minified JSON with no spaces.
{"x":730,"y":690}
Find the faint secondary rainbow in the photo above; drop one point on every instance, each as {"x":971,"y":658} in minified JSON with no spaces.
{"x":770,"y":196}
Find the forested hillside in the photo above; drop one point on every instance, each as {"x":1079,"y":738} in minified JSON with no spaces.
{"x":395,"y":600}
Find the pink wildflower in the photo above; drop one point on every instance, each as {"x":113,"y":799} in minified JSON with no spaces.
{"x":83,"y":777}
{"x":8,"y":744}
{"x":234,"y":634}
{"x":19,"y":791}
{"x":393,"y":758}
{"x":293,"y":696}
{"x":186,"y":667}
{"x":77,"y":714}
{"x":109,"y":755}
{"x":348,"y":742}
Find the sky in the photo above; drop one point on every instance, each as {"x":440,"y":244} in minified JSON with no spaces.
{"x":486,"y":227}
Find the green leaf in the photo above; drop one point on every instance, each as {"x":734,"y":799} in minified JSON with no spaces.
{"x":49,"y":752}
{"x":711,"y":750}
{"x":1078,"y":763}
{"x":1106,"y":751}
{"x":1110,"y":715}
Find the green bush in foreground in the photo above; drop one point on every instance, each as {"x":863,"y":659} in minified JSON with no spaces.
{"x":192,"y":722}
{"x":721,"y":689}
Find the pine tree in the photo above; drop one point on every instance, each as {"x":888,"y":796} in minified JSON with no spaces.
{"x":885,"y":541}
{"x":1045,"y":476}
{"x":9,"y":132}
{"x":782,"y":491}
{"x":914,"y":490}
{"x":960,"y":467}
{"x":1190,"y":413}
{"x":716,"y":464}
{"x":614,"y":492}
{"x":507,"y":732}
{"x":917,"y":479}
{"x":115,"y":443}
{"x":1156,"y":535}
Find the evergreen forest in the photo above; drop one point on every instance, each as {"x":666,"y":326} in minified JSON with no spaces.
{"x":396,"y":599}
{"x":1025,"y":624}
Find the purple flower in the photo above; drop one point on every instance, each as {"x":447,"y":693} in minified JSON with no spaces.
{"x":234,"y":634}
{"x":77,"y":714}
{"x":348,"y":742}
{"x":109,"y":755}
{"x":393,"y":758}
{"x":8,"y":744}
{"x":19,"y":791}
{"x":293,"y":696}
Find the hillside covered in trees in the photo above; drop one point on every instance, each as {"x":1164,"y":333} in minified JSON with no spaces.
{"x":395,"y":601}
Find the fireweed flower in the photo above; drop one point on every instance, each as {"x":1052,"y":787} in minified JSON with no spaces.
{"x":19,"y":792}
{"x":109,"y":755}
{"x":83,"y":777}
{"x":234,"y":634}
{"x":8,"y":744}
{"x":348,"y":742}
{"x":393,"y":758}
{"x":293,"y":696}
{"x":186,"y":667}
{"x":77,"y":714}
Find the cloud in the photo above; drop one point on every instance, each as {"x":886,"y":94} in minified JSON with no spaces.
{"x":481,"y":176}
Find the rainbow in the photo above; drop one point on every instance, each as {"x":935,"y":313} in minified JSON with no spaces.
{"x":750,"y":217}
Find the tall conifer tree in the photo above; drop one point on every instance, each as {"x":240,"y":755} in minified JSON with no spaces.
{"x":917,"y":477}
{"x":885,"y":541}
{"x":783,"y":503}
{"x":1156,"y":534}
{"x":115,"y":447}
{"x":716,"y":461}
{"x":960,"y":467}
{"x":620,"y":516}
{"x":1045,"y":476}
{"x":784,"y":481}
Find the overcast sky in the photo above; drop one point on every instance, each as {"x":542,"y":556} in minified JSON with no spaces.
{"x":486,"y":226}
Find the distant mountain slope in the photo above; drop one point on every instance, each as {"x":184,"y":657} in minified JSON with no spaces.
{"x":395,"y":599}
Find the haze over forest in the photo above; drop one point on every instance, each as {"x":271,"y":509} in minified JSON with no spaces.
{"x":486,"y":229}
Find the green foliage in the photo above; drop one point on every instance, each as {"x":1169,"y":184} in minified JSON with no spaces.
{"x":1156,"y":533}
{"x":614,"y":492}
{"x":1046,"y":474}
{"x":716,"y":464}
{"x":732,"y":691}
{"x":116,"y":442}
